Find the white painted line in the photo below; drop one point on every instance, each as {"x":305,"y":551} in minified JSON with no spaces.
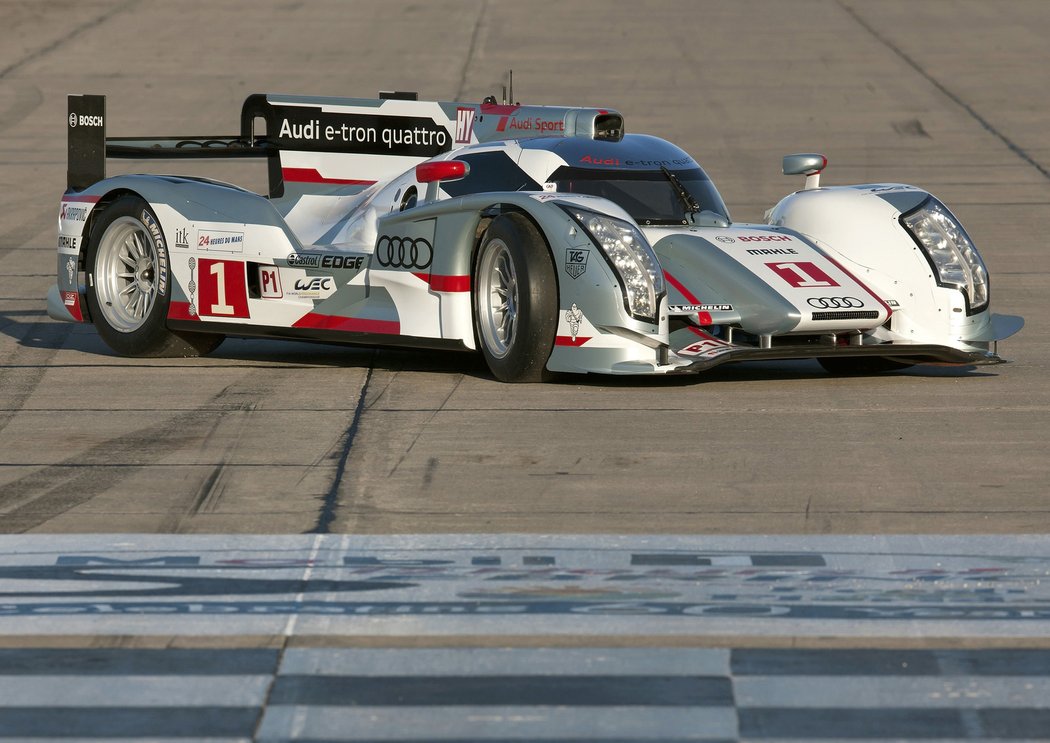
{"x":150,"y":739}
{"x":496,"y":723}
{"x":513,"y":661}
{"x":83,"y":690}
{"x":956,"y":692}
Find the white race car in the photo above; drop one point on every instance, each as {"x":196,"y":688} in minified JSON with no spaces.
{"x":544,"y":237}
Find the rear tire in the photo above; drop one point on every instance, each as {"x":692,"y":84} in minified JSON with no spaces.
{"x":844,"y":365}
{"x":515,"y":300}
{"x":129,"y":285}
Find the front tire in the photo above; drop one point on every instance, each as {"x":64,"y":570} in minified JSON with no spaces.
{"x":129,"y":284}
{"x":515,"y":300}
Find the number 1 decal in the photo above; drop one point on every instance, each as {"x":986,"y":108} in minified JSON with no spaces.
{"x":223,"y":289}
{"x":802,"y":274}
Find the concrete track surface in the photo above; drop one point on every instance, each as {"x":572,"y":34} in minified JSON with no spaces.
{"x":286,"y":438}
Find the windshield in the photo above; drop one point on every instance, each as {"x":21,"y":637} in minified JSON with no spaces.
{"x":649,"y":196}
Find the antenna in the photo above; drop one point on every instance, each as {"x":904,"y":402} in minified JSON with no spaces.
{"x":511,"y":75}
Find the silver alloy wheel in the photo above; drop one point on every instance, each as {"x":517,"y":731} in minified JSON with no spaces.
{"x":126,"y":268}
{"x":497,"y":298}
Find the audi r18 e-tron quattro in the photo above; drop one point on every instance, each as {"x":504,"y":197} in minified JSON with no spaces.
{"x":545,"y":238}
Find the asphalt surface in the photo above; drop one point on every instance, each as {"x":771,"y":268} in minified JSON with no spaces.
{"x":285,"y":437}
{"x":280,"y":438}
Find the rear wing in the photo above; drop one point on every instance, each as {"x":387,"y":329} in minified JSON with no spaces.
{"x":320,"y":143}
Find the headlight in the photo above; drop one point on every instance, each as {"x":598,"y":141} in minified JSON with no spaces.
{"x":628,"y":252}
{"x":950,"y":251}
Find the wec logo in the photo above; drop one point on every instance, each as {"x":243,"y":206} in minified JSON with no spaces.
{"x":316,"y":284}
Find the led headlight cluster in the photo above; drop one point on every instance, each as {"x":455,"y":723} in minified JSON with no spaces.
{"x":630,"y":255}
{"x":950,"y":251}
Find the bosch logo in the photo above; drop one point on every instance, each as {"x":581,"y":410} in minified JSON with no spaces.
{"x":834,"y":303}
{"x":765,"y":239}
{"x":82,"y":120}
{"x":725,"y":239}
{"x":404,"y":252}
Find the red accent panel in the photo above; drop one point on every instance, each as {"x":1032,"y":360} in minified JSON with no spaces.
{"x":495,"y":108}
{"x":180,"y":311}
{"x":443,"y":170}
{"x":223,"y":289}
{"x":84,"y":199}
{"x":311,"y":175}
{"x":502,"y":125}
{"x":71,"y":300}
{"x":802,"y":274}
{"x":349,"y":324}
{"x":446,"y":283}
{"x":567,"y":340}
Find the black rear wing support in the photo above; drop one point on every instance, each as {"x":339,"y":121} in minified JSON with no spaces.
{"x":89,"y":147}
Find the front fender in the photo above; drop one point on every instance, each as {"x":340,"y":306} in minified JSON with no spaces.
{"x":595,"y":332}
{"x":859,"y":226}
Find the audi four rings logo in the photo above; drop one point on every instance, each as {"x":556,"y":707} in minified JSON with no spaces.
{"x":404,"y":252}
{"x":831,"y":303}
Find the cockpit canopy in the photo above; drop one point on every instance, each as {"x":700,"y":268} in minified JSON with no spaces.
{"x":656,"y":182}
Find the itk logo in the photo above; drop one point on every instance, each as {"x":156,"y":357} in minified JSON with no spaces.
{"x":464,"y":125}
{"x":802,"y":275}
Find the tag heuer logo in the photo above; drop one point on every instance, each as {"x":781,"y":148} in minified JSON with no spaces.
{"x":576,"y":261}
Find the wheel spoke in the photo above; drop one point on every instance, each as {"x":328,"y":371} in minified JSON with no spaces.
{"x":140,"y":305}
{"x":140,"y":247}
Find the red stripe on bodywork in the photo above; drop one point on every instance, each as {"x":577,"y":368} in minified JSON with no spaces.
{"x":84,"y":199}
{"x":689,"y":296}
{"x":568,"y":340}
{"x":703,"y":317}
{"x":311,"y":175}
{"x":445,"y":283}
{"x":348,"y":324}
{"x":180,"y":311}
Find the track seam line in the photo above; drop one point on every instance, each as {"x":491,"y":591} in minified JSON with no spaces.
{"x":947,"y":93}
{"x":471,"y":50}
{"x":327,"y":515}
{"x":72,"y":34}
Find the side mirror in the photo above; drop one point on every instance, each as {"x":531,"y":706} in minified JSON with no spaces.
{"x":442,"y":170}
{"x":433,"y":172}
{"x":810,"y":165}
